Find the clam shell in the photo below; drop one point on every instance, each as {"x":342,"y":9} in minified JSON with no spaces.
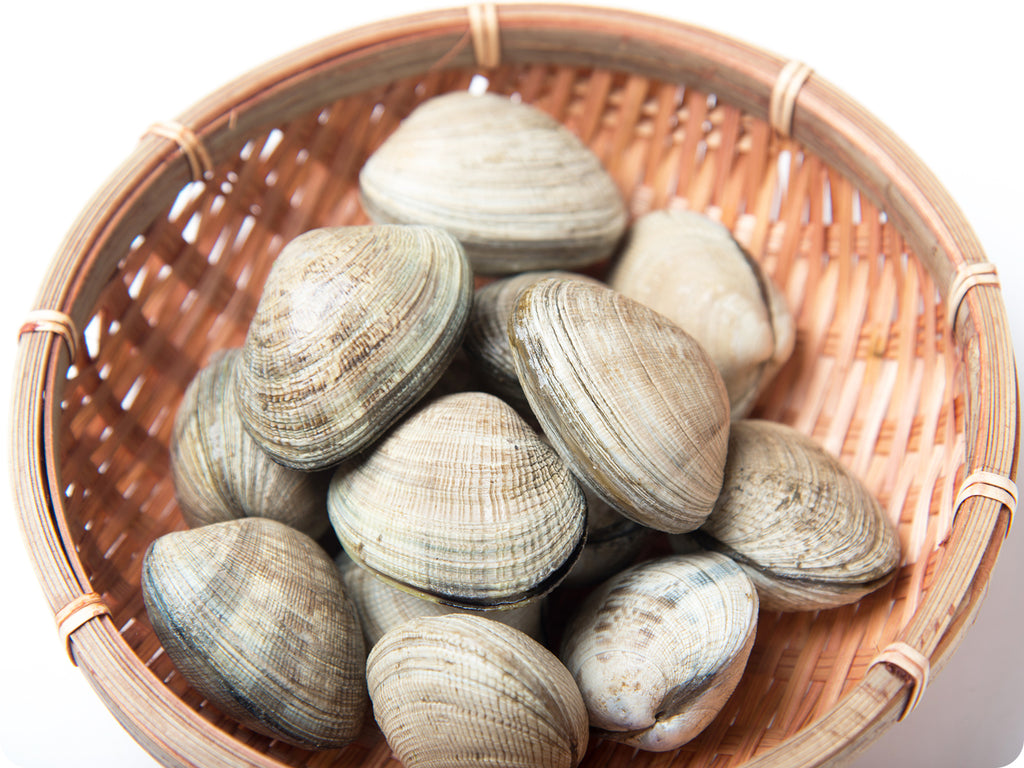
{"x":658,"y":649}
{"x":613,"y":542}
{"x":463,"y":691}
{"x":805,"y":528}
{"x":354,"y":325}
{"x":383,"y":606}
{"x":691,"y":269}
{"x":486,"y":340}
{"x":629,"y":400}
{"x":220,"y":473}
{"x":518,"y":189}
{"x":254,"y":616}
{"x":461,"y":502}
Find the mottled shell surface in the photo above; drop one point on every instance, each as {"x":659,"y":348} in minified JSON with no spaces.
{"x":461,"y":502}
{"x":690,"y":268}
{"x":659,"y":648}
{"x":613,"y":542}
{"x":254,"y":616}
{"x":220,"y":473}
{"x":383,"y":606}
{"x":354,"y":325}
{"x":518,"y":189}
{"x":628,"y":399}
{"x":464,"y":691}
{"x":486,"y":340}
{"x":805,"y":528}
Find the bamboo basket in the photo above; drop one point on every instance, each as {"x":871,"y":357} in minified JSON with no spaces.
{"x":903,"y":365}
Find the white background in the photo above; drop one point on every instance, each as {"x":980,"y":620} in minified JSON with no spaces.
{"x":82,"y":81}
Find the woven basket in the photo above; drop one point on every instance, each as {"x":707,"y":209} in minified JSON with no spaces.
{"x":903,"y":365}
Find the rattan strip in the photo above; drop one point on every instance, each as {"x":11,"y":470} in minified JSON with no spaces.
{"x":76,"y":613}
{"x":52,"y":321}
{"x":199,"y":162}
{"x":483,"y":27}
{"x":967,"y":276}
{"x":911,"y":661}
{"x":783,"y":98}
{"x":991,"y":486}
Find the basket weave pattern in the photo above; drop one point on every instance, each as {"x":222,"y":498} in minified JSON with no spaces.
{"x":876,"y":376}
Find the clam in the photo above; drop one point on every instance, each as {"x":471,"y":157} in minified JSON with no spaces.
{"x":486,"y":340}
{"x":613,"y":542}
{"x":629,"y":400}
{"x":517,"y":188}
{"x":354,"y":325}
{"x":383,"y":606}
{"x":659,"y":648}
{"x":254,"y":616}
{"x":803,"y":527}
{"x":691,"y":269}
{"x":464,"y":691}
{"x":219,"y":471}
{"x":463,"y":503}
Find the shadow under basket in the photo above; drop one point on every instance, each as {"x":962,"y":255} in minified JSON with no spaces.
{"x":903,"y":364}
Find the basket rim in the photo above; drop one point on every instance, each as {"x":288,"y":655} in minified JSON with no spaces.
{"x":825,"y":121}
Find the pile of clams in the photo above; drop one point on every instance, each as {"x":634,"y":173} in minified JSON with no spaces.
{"x":466,"y":457}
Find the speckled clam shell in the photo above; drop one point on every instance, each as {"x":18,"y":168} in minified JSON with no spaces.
{"x":486,"y":341}
{"x":220,"y":473}
{"x":517,"y":188}
{"x":463,"y":503}
{"x":464,"y":691}
{"x":628,"y":399}
{"x":613,"y":543}
{"x":690,"y":268}
{"x":805,"y":528}
{"x":254,"y":616}
{"x":355,"y":324}
{"x":383,"y":606}
{"x":659,"y":648}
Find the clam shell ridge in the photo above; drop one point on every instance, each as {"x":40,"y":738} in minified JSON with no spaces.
{"x":220,"y":473}
{"x":354,"y":325}
{"x":628,"y":399}
{"x":464,"y":691}
{"x":690,"y":268}
{"x":463,"y":503}
{"x":254,"y":616}
{"x":658,"y":649}
{"x":486,"y":339}
{"x":383,"y":606}
{"x":517,"y":188}
{"x":805,"y":528}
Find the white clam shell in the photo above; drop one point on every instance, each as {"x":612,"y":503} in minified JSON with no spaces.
{"x":689,"y":267}
{"x":464,"y":691}
{"x":517,"y":188}
{"x":354,"y":325}
{"x":221,"y":473}
{"x":254,"y":615}
{"x":463,"y":503}
{"x":628,"y":399}
{"x":659,"y":648}
{"x":805,"y":528}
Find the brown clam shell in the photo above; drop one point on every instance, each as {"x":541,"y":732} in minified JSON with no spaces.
{"x":254,"y":615}
{"x":628,"y":399}
{"x":355,"y":324}
{"x":221,"y":473}
{"x":806,"y":529}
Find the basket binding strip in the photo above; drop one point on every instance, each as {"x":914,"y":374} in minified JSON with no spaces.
{"x":682,"y":118}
